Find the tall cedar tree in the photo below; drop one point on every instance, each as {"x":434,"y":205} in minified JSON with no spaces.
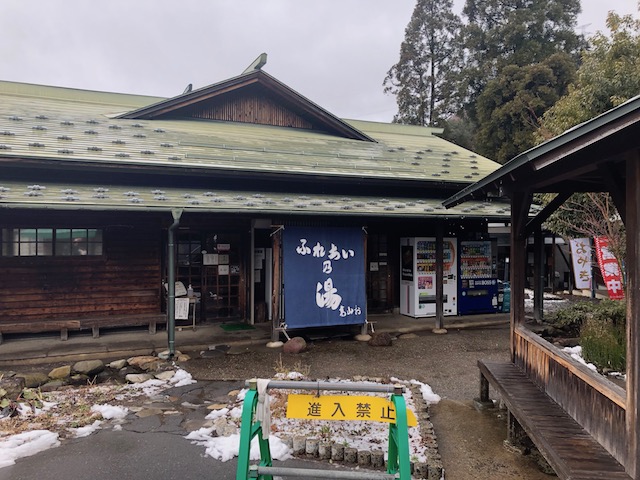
{"x":499,"y":33}
{"x":506,"y":41}
{"x":420,"y":79}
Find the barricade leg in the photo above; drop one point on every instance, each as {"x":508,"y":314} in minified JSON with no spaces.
{"x":248,"y":430}
{"x":399,"y":461}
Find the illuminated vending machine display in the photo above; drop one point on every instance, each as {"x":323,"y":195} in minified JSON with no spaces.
{"x":418,"y":276}
{"x":478,"y":280}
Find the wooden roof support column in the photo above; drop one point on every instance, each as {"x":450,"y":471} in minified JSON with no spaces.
{"x":538,"y":275}
{"x":277,"y":286}
{"x":633,"y":314}
{"x":520,"y":203}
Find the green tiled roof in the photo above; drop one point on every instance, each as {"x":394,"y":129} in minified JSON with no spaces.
{"x":108,"y":197}
{"x":79,"y":126}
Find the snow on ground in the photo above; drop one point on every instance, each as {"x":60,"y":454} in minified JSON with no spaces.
{"x":551,"y":302}
{"x":26,"y":444}
{"x":63,"y":410}
{"x":356,"y":434}
{"x":225,"y":448}
{"x":66,"y":411}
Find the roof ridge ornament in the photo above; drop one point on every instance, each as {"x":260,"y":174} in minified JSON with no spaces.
{"x":257,"y":64}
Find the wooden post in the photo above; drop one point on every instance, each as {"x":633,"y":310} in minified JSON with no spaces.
{"x":276,"y":288}
{"x":633,"y":314}
{"x":365,"y":325}
{"x":439,"y":279}
{"x":520,"y":202}
{"x":538,"y":275}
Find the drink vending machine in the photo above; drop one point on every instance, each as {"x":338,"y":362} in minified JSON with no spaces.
{"x":478,"y":278}
{"x":418,"y":276}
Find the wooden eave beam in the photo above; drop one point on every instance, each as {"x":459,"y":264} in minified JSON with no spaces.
{"x":546,"y":212}
{"x":182,"y":101}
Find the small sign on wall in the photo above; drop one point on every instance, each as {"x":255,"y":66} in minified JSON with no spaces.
{"x":223,"y":269}
{"x":182,"y":308}
{"x":210,"y":259}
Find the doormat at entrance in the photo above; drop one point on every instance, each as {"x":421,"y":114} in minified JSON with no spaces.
{"x":232,"y":327}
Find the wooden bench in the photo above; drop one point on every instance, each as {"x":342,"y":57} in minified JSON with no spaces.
{"x":39,"y":327}
{"x":96,"y":323}
{"x":570,"y":450}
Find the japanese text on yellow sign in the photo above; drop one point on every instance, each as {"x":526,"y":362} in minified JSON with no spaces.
{"x":344,"y":407}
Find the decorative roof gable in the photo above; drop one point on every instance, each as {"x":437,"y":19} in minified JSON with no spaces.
{"x":252,"y":97}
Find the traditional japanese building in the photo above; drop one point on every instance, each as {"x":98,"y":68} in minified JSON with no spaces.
{"x":106,"y":198}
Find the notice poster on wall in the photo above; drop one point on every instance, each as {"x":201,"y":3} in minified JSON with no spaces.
{"x":182,"y":308}
{"x":324,"y":276}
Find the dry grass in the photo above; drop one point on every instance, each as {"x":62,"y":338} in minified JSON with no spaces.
{"x":298,"y":366}
{"x":63,"y":409}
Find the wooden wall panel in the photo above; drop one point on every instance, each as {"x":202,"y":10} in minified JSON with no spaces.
{"x":250,"y":109}
{"x":123,"y":281}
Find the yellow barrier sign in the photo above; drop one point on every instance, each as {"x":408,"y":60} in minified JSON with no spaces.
{"x":344,"y":407}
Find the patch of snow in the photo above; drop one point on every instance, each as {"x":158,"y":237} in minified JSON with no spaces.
{"x":576,"y":354}
{"x":427,"y":392}
{"x":148,"y":388}
{"x":181,"y":378}
{"x":87,"y":429}
{"x":289,"y":376}
{"x":217,"y":414}
{"x":225,"y":448}
{"x":26,"y":444}
{"x":550,"y":303}
{"x":236,"y":412}
{"x":110,"y":412}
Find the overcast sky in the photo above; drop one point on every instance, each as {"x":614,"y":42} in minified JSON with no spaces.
{"x":334,"y":52}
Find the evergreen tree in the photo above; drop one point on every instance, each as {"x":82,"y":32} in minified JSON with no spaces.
{"x":420,"y":79}
{"x":511,"y":106}
{"x":501,"y":33}
{"x":609,"y":75}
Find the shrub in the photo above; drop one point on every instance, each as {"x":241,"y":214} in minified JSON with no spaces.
{"x":603,"y":335}
{"x":570,"y":319}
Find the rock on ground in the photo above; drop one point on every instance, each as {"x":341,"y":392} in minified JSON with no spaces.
{"x":295,"y":345}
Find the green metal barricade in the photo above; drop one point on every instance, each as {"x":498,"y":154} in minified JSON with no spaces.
{"x":398,"y":463}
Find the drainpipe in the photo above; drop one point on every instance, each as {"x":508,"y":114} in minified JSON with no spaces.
{"x":171,"y":274}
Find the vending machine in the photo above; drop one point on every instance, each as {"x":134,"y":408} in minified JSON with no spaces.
{"x":478,"y":278}
{"x":418,"y":276}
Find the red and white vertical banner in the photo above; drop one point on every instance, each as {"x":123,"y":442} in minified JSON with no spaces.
{"x":581,"y":257}
{"x":610,"y":268}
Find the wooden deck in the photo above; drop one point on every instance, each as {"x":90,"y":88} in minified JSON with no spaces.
{"x":570,"y":450}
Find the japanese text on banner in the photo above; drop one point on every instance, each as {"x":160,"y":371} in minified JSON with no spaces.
{"x":610,"y":269}
{"x":581,"y":256}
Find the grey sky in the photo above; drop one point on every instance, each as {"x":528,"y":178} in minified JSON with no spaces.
{"x":336,"y":53}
